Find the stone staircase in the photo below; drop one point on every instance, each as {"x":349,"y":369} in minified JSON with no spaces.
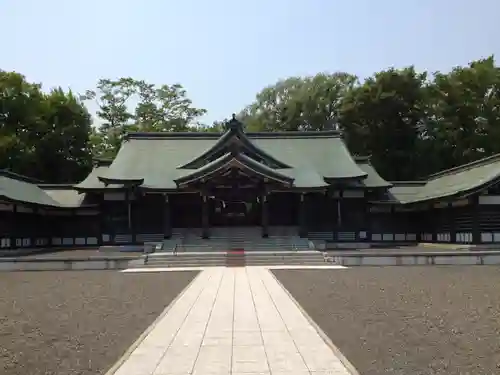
{"x":234,"y":259}
{"x":322,"y":240}
{"x":236,"y":238}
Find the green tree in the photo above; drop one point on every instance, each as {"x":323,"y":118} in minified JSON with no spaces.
{"x":112,"y":98}
{"x":464,"y":114}
{"x":21,"y":107}
{"x":63,"y":151}
{"x":299,"y":103}
{"x":384,"y":117}
{"x":128,"y":105}
{"x":165,"y":108}
{"x":44,"y":136}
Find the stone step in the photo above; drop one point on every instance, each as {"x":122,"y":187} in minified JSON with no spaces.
{"x":246,"y":260}
{"x":236,"y":260}
{"x":233,"y":263}
{"x":209,"y":255}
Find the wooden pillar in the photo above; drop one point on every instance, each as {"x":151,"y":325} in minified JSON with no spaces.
{"x":333,"y":208}
{"x":101,"y":220}
{"x":131,"y":221}
{"x":368,"y":221}
{"x":338,"y":215}
{"x":167,"y":223}
{"x":265,"y":215}
{"x":339,"y":208}
{"x":72,"y":231}
{"x":451,"y":222}
{"x":205,"y":230}
{"x":302,"y":216}
{"x":33,"y":232}
{"x":14,"y":227}
{"x":417,"y":223}
{"x":393,"y":219}
{"x":433,"y":220}
{"x":476,"y":228}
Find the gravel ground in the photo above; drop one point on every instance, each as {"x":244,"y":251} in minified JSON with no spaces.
{"x":77,"y":323}
{"x":406,"y":320}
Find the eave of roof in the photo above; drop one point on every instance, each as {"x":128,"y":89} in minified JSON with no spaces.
{"x":19,"y":177}
{"x":121,"y":181}
{"x":455,"y":183}
{"x":16,"y":189}
{"x":68,"y":198}
{"x":373,"y":179}
{"x":92,"y":182}
{"x":226,"y":161}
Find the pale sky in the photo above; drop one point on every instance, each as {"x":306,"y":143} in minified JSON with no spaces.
{"x":225,"y":51}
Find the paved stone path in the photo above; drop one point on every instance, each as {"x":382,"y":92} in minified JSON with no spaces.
{"x":235,"y":321}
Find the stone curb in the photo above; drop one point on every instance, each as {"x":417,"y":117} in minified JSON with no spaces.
{"x":148,"y":330}
{"x":336,"y":351}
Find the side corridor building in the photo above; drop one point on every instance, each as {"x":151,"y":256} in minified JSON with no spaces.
{"x":305,"y":181}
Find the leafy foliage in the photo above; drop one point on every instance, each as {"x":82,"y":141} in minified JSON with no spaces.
{"x":128,"y":105}
{"x":45,"y":136}
{"x":411,"y":123}
{"x":309,"y":103}
{"x":384,"y":116}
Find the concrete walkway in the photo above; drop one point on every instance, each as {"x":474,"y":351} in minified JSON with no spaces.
{"x":233,"y":321}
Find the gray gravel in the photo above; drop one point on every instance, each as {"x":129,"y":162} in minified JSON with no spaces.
{"x":77,"y":322}
{"x":406,"y":320}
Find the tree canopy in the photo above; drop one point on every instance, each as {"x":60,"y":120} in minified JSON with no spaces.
{"x":411,"y":123}
{"x":127,"y":104}
{"x":43,"y":135}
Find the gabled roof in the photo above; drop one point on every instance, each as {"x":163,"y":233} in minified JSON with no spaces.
{"x":456,"y":182}
{"x":240,"y":161}
{"x":233,"y":138}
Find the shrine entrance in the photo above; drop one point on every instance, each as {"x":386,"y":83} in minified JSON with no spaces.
{"x":234,"y":207}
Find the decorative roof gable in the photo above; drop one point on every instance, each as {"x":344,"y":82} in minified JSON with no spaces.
{"x":234,"y":140}
{"x":234,"y":161}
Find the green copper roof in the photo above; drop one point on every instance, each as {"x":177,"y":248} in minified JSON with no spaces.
{"x":373,"y":179}
{"x":65,"y":196}
{"x":159,"y":158}
{"x":17,"y":188}
{"x":456,"y":182}
{"x":92,"y":180}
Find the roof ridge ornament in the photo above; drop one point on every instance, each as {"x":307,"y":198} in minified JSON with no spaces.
{"x":234,"y":124}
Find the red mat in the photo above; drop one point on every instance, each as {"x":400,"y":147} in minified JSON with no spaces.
{"x":236,"y":251}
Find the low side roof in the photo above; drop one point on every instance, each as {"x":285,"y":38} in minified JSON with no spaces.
{"x":157,"y":157}
{"x":17,"y":188}
{"x":456,"y":182}
{"x":66,"y":196}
